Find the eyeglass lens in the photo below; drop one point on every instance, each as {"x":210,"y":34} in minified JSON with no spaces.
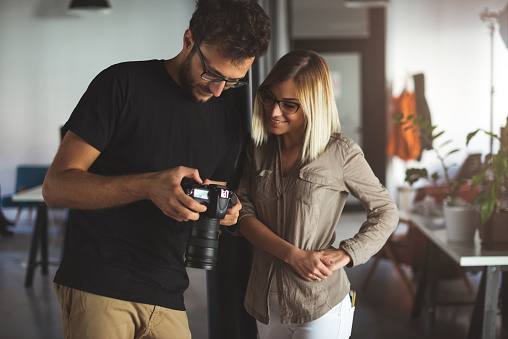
{"x":286,"y":107}
{"x":214,"y":77}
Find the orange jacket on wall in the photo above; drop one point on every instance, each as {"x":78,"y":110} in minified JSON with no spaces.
{"x":404,"y":142}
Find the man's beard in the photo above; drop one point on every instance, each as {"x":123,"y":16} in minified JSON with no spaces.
{"x":188,"y":84}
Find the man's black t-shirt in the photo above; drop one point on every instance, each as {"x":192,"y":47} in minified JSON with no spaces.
{"x":141,"y":121}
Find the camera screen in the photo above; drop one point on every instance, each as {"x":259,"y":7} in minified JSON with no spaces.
{"x":199,"y":193}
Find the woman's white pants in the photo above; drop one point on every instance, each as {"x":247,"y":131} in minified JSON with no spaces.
{"x":336,"y":324}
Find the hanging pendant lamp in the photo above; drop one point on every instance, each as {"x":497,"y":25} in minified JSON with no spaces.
{"x":101,"y":6}
{"x":365,"y":4}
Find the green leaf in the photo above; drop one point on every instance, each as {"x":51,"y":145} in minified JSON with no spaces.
{"x":415,"y":174}
{"x":437,"y":135}
{"x":451,"y":152}
{"x":445,"y":143}
{"x":471,"y":135}
{"x":488,"y":207}
{"x":425,"y":125}
{"x":492,"y":135}
{"x":486,"y":213}
{"x":398,"y":118}
{"x":478,"y":178}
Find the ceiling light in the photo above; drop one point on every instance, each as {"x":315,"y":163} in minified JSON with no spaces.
{"x":365,"y":3}
{"x":101,"y":6}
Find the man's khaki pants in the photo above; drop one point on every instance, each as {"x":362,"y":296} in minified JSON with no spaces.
{"x":86,"y":315}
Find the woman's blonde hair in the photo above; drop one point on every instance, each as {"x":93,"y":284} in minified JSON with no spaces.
{"x":311,"y":76}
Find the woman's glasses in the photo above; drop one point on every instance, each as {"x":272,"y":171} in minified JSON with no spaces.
{"x":287,"y":107}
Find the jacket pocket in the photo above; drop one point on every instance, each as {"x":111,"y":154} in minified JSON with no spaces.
{"x":264,"y":186}
{"x":311,"y":187}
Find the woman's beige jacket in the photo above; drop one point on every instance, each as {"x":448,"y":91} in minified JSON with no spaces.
{"x":304,"y":208}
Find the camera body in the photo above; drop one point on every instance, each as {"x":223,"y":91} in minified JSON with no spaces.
{"x":203,"y":243}
{"x":216,"y":198}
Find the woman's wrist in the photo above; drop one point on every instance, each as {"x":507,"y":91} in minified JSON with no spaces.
{"x":291,"y":254}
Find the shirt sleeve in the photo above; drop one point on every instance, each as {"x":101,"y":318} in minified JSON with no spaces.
{"x":382,"y":213}
{"x":244,"y":187}
{"x":95,"y":115}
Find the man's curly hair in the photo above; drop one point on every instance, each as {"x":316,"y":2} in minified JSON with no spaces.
{"x":240,"y":29}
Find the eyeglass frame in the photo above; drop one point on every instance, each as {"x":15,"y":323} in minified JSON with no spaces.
{"x":238,"y":83}
{"x":264,"y":91}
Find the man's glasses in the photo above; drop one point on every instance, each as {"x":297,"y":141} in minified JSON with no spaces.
{"x":287,"y":107}
{"x":214,"y":77}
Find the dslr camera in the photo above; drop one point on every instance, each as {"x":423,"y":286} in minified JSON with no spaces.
{"x":203,"y":243}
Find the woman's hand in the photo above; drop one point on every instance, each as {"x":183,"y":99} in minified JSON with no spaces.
{"x":233,"y":212}
{"x":309,"y":264}
{"x":334,"y":258}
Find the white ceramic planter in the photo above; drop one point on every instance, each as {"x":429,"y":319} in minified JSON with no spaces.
{"x":461,"y":223}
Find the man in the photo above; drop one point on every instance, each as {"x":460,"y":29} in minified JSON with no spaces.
{"x":137,"y":131}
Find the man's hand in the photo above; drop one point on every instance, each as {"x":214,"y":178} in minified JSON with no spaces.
{"x":166,"y":192}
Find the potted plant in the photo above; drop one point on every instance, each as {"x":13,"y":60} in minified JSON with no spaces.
{"x":461,"y":220}
{"x":492,"y":178}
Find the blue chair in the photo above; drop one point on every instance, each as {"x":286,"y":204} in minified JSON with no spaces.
{"x":4,"y":222}
{"x":27,"y":176}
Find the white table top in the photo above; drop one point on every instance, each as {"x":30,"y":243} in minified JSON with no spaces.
{"x":33,"y":194}
{"x":464,"y":253}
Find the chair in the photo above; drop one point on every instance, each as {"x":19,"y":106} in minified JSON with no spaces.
{"x":27,"y":176}
{"x":409,"y":248}
{"x":4,"y":222}
{"x":402,"y":248}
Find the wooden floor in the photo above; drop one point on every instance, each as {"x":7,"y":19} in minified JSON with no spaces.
{"x":383,"y":309}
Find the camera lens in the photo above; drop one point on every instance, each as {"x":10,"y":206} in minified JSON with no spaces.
{"x":203,"y":244}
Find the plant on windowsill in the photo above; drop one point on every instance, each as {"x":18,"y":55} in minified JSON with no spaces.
{"x":460,"y":217}
{"x":449,"y":188}
{"x":492,"y":178}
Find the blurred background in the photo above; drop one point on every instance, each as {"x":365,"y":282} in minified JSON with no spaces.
{"x":49,"y":55}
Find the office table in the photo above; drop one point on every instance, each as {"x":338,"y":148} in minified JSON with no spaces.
{"x":40,"y":233}
{"x":465,"y":255}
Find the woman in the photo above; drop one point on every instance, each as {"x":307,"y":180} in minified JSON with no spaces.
{"x":298,"y":172}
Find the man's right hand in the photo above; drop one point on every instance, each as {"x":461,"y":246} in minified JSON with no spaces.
{"x":167,"y":193}
{"x":69,"y":184}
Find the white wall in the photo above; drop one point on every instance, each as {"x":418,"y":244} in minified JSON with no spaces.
{"x":48,"y":57}
{"x":447,"y":42}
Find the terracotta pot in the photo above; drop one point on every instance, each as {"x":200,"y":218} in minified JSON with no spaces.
{"x":494,"y":233}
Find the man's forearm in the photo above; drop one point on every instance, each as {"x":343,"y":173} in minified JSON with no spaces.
{"x":75,"y":188}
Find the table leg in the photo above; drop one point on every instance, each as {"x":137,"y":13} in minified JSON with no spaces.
{"x":39,"y":235}
{"x":42,"y":209}
{"x":431,"y":289}
{"x":422,"y":284}
{"x":493,"y":275}
{"x":34,"y":246}
{"x":475,"y":327}
{"x":483,"y":320}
